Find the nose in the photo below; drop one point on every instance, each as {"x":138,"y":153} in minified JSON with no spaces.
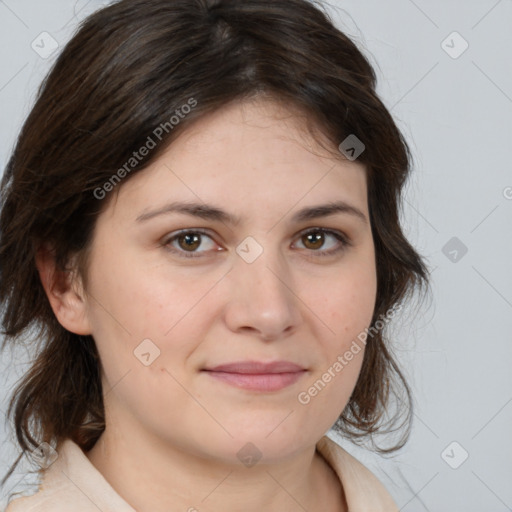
{"x":262,"y":298}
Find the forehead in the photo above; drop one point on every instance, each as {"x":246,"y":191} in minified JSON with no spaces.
{"x":251,"y":121}
{"x":253,"y":158}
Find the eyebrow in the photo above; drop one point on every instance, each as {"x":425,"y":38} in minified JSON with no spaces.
{"x":213,"y":213}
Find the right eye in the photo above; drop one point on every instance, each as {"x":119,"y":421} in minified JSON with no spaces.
{"x":185,"y":242}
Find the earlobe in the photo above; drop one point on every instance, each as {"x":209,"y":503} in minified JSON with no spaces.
{"x":64,"y":291}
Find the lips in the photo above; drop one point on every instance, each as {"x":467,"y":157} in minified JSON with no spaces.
{"x":256,"y":367}
{"x":258,"y":376}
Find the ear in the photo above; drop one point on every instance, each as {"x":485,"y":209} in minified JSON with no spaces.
{"x":64,"y":291}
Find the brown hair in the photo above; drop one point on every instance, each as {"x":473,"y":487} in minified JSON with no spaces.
{"x":127,"y":71}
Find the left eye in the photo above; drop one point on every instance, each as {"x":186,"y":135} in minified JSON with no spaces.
{"x":315,"y":238}
{"x":185,"y":243}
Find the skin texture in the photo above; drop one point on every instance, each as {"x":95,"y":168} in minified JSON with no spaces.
{"x":172,"y":431}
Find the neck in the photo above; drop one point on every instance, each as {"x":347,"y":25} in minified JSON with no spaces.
{"x":157,"y":478}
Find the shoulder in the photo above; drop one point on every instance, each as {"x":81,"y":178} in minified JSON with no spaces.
{"x":53,"y":495}
{"x":41,"y":501}
{"x":53,"y":492}
{"x":25,"y":503}
{"x":363,"y":490}
{"x":71,"y":482}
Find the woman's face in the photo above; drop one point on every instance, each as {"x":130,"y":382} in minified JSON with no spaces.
{"x":166,"y":309}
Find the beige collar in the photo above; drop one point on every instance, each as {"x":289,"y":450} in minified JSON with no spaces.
{"x":73,"y":483}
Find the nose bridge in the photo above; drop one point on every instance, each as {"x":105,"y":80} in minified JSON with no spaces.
{"x":262,"y":295}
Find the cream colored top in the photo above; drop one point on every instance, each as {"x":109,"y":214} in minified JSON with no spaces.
{"x":72,"y":483}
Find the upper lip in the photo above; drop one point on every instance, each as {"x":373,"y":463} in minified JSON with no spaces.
{"x":256,"y":367}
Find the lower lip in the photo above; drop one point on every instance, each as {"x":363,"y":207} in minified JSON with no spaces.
{"x":258,"y":382}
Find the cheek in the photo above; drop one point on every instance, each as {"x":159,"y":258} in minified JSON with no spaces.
{"x":131,"y":298}
{"x":131,"y":303}
{"x":347,"y":302}
{"x":350,"y":305}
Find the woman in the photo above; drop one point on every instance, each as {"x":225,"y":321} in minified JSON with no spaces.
{"x":201,"y":217}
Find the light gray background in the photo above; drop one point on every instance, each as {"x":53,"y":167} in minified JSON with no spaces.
{"x":456,"y":114}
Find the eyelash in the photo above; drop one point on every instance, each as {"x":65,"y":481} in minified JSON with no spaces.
{"x":186,"y":254}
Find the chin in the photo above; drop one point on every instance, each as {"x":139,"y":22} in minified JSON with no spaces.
{"x":266,"y":444}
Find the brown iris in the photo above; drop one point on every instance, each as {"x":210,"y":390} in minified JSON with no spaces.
{"x":316,"y":238}
{"x":192,"y":241}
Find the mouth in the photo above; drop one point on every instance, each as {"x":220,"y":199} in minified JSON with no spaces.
{"x":257,"y":376}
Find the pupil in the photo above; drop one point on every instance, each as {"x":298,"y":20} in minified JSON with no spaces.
{"x":315,"y":238}
{"x":190,"y":240}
